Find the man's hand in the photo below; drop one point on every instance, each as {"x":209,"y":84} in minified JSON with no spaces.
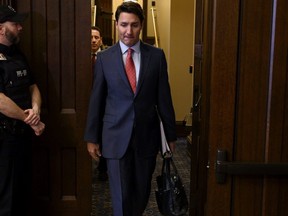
{"x":38,"y":128}
{"x":172,"y":146}
{"x":94,"y":150}
{"x":32,"y":118}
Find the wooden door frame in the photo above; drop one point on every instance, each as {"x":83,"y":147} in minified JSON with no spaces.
{"x":201,"y":108}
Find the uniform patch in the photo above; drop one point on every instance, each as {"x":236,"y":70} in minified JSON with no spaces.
{"x":2,"y":57}
{"x":21,"y":73}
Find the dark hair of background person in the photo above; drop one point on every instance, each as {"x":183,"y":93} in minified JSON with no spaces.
{"x":130,"y":7}
{"x":97,"y":29}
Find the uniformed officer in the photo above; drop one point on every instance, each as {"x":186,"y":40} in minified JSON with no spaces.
{"x":20,"y":103}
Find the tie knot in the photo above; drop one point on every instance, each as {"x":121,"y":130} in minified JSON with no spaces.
{"x":130,"y":51}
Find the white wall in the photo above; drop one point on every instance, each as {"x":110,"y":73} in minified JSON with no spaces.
{"x":150,"y":30}
{"x":163,"y":10}
{"x":176,"y":33}
{"x":181,"y":55}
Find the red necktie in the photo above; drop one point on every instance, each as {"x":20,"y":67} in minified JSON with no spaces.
{"x":93,"y":59}
{"x":130,"y":70}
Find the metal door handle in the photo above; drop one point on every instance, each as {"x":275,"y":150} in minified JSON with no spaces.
{"x":223,"y":168}
{"x":198,"y":101}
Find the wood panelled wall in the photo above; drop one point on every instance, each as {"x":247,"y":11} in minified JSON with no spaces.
{"x":6,"y":2}
{"x":104,"y":20}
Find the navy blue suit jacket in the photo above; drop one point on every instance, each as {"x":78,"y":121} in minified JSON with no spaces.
{"x":114,"y":110}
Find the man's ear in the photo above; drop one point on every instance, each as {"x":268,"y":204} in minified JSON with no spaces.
{"x":1,"y":29}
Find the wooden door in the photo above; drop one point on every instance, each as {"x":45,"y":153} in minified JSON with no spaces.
{"x":245,"y":55}
{"x":56,"y":39}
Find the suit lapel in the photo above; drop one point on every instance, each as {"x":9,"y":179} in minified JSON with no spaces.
{"x":117,"y":57}
{"x":145,"y":56}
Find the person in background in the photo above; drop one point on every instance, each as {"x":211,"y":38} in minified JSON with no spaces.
{"x":130,"y":88}
{"x":96,"y":44}
{"x":20,"y":103}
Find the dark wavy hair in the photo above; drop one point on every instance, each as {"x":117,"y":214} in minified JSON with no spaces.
{"x":130,"y":7}
{"x":97,"y":29}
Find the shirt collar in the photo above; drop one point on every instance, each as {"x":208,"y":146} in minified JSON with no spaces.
{"x":124,"y":48}
{"x":95,"y":53}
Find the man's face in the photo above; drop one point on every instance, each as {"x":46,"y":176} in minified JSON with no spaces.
{"x":96,"y":40}
{"x":11,"y":32}
{"x":129,"y":28}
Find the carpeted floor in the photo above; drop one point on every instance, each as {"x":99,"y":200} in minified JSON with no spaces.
{"x":101,"y":201}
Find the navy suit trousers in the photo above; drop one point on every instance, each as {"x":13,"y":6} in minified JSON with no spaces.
{"x":130,"y":182}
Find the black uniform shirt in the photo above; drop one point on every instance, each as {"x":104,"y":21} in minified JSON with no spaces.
{"x":15,"y":76}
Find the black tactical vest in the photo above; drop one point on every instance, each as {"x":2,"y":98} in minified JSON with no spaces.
{"x":15,"y":77}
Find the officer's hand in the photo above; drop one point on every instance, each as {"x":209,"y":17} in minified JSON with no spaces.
{"x":39,"y":128}
{"x":32,"y":117}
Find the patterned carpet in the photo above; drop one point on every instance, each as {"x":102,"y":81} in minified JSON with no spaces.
{"x":101,"y":201}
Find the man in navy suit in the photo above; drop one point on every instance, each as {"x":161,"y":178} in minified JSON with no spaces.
{"x":125,"y":122}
